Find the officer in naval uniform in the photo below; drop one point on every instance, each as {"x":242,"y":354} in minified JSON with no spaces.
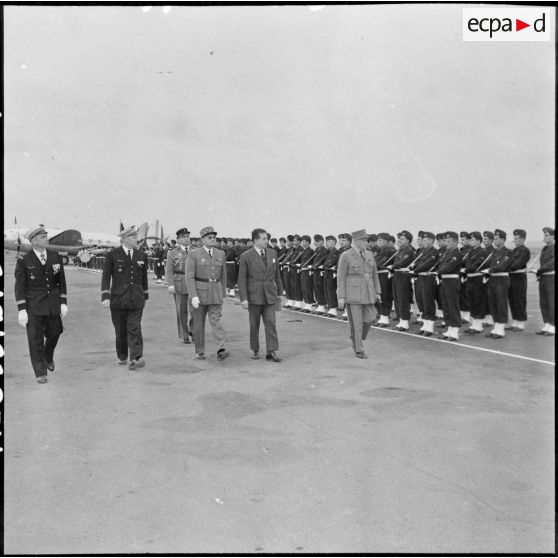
{"x":545,"y":276}
{"x":124,"y":291}
{"x":175,"y":274}
{"x":40,"y":292}
{"x":358,"y":287}
{"x":517,"y":295}
{"x":206,"y":279}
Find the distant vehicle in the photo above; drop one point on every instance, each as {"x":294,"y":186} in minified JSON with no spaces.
{"x":68,"y":242}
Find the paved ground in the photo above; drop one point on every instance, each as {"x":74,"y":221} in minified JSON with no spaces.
{"x":426,"y":447}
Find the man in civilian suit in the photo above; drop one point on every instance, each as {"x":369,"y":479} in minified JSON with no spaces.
{"x":124,"y":291}
{"x":260,"y":286}
{"x":40,"y":291}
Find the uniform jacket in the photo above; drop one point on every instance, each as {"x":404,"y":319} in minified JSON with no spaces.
{"x":384,"y":255}
{"x":200,"y":266}
{"x":124,"y":282}
{"x":450,"y":262}
{"x":320,"y":256}
{"x":330,"y":263}
{"x":40,"y":289}
{"x":547,"y":259}
{"x":520,"y":258}
{"x":175,"y":270}
{"x":428,"y":259}
{"x":500,"y":261}
{"x":307,"y":257}
{"x":294,"y":260}
{"x":357,"y":278}
{"x":403,"y":258}
{"x":476,"y":257}
{"x":259,"y":283}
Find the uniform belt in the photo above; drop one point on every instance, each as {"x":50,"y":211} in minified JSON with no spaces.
{"x":474,"y":274}
{"x":179,"y":273}
{"x":450,"y":276}
{"x":383,"y":270}
{"x":548,"y":273}
{"x":503,"y":274}
{"x":399,"y":270}
{"x":207,"y":280}
{"x":519,"y":271}
{"x":230,"y":263}
{"x":427,"y":273}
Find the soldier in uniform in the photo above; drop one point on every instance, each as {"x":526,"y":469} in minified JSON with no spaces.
{"x":488,"y":241}
{"x":318,"y":285}
{"x":415,"y":295}
{"x":545,"y":276}
{"x":441,"y":241}
{"x":285,"y":274}
{"x":206,"y":279}
{"x":305,"y":274}
{"x":175,"y":274}
{"x":159,"y":255}
{"x":330,"y":275}
{"x":383,"y":258}
{"x":230,"y":259}
{"x":498,"y":284}
{"x":40,"y":292}
{"x":473,"y":282}
{"x":450,"y":284}
{"x":464,"y":305}
{"x":373,"y":244}
{"x":345,"y":243}
{"x":425,"y":285}
{"x":124,"y":291}
{"x":358,"y":287}
{"x":294,"y":272}
{"x":401,"y":280}
{"x":273,"y":244}
{"x":517,"y":295}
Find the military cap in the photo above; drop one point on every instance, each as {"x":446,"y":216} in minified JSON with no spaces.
{"x":464,"y":234}
{"x":318,"y":237}
{"x":290,"y":237}
{"x":297,"y":237}
{"x":391,"y":238}
{"x":130,"y":231}
{"x":360,"y":235}
{"x":207,"y":230}
{"x":330,"y":237}
{"x":307,"y":238}
{"x":273,"y":240}
{"x":373,"y":237}
{"x":520,"y":232}
{"x":428,"y":234}
{"x":476,"y":234}
{"x":346,"y":236}
{"x":34,"y":232}
{"x":420,"y":234}
{"x":488,"y":234}
{"x":383,"y":236}
{"x":182,"y":232}
{"x":453,"y":235}
{"x":500,"y":233}
{"x":549,"y":230}
{"x":440,"y":236}
{"x":406,"y":234}
{"x":230,"y":240}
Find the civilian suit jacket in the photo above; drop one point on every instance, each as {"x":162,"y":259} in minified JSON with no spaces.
{"x":357,"y":279}
{"x":40,"y":289}
{"x":124,"y":281}
{"x":200,"y":265}
{"x":259,"y":283}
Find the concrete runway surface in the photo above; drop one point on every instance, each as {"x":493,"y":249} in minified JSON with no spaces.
{"x":427,"y":447}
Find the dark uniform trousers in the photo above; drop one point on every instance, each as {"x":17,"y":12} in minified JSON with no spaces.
{"x":330,"y":284}
{"x":127,"y":327}
{"x":517,"y":296}
{"x":267,"y":312}
{"x":464,"y":300}
{"x":296,"y":286}
{"x":286,"y":283}
{"x":476,"y":292}
{"x":402,"y":294}
{"x":386,"y":284}
{"x":449,"y":293}
{"x":319,"y":286}
{"x":426,"y":289}
{"x":43,"y":333}
{"x":417,"y":288}
{"x":546,"y":298}
{"x":307,"y":287}
{"x":497,"y":292}
{"x":231,"y":274}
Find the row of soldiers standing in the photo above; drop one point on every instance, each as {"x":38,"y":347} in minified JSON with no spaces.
{"x":468,"y":284}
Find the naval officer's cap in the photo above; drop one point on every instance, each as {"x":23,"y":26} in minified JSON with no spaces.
{"x":500,"y":233}
{"x":130,"y":231}
{"x":182,"y":232}
{"x":520,"y":232}
{"x":36,"y":231}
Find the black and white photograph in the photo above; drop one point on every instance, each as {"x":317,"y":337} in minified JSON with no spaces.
{"x":278,"y":278}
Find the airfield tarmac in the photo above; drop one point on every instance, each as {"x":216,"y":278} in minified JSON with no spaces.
{"x":426,"y":447}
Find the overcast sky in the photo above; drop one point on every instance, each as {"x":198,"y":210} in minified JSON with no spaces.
{"x":297,"y":119}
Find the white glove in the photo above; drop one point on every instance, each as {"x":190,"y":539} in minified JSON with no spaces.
{"x":341,"y":303}
{"x":63,"y":310}
{"x":171,"y":289}
{"x":22,"y":318}
{"x":106,"y":303}
{"x":196,"y":302}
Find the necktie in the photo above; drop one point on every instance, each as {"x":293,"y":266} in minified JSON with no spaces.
{"x":130,"y":254}
{"x":362,"y":254}
{"x":262,"y":254}
{"x":43,"y":259}
{"x":211,"y":254}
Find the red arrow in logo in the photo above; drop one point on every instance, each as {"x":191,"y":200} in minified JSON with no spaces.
{"x":519,"y":25}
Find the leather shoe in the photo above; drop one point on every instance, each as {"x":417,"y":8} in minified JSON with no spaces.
{"x":136,"y":363}
{"x":509,"y":328}
{"x":255,"y":355}
{"x":222,"y":354}
{"x":402,"y":328}
{"x":548,"y":334}
{"x":186,"y":341}
{"x":428,"y":334}
{"x":50,"y":366}
{"x":489,"y":335}
{"x":361,"y":354}
{"x":42,"y":379}
{"x":200,"y":356}
{"x":517,"y":329}
{"x":272,"y":357}
{"x":122,"y":361}
{"x":443,"y":337}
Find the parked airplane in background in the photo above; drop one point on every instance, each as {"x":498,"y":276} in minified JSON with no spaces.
{"x":68,"y":242}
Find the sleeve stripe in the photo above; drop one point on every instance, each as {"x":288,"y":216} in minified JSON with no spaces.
{"x":21,"y":301}
{"x":105,"y":292}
